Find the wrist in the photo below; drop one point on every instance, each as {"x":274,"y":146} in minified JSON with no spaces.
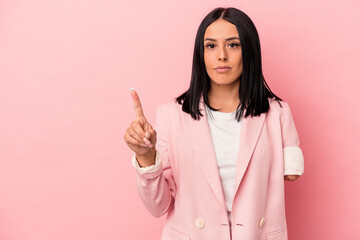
{"x":147,"y":159}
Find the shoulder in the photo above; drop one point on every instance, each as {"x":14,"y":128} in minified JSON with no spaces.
{"x":169,"y":108}
{"x":279,"y":108}
{"x":167,"y":115}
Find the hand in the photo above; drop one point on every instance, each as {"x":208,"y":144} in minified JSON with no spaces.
{"x":140,"y":136}
{"x":291,"y":177}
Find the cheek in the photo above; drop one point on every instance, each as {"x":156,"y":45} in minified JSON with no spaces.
{"x":207,"y":56}
{"x":208,"y":62}
{"x":239,"y":69}
{"x":240,"y":65}
{"x":240,"y":59}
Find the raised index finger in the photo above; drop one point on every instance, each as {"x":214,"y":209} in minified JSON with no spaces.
{"x":137,"y":105}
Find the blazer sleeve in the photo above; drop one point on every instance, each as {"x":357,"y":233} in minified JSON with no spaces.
{"x":156,"y":185}
{"x":292,"y":153}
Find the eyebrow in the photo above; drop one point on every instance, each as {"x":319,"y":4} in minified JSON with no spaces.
{"x":227,"y":39}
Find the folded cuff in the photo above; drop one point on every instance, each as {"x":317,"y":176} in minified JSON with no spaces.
{"x":147,"y":169}
{"x":293,"y":161}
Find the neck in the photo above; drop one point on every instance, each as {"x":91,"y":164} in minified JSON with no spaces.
{"x":224,"y":96}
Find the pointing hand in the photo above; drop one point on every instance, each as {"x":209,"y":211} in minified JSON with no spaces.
{"x":140,"y":135}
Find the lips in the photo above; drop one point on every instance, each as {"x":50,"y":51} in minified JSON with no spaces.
{"x":222,"y":69}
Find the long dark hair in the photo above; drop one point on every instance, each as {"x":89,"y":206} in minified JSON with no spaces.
{"x":253,"y":91}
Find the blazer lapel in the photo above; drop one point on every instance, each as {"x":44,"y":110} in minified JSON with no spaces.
{"x":199,"y":135}
{"x":251,"y":128}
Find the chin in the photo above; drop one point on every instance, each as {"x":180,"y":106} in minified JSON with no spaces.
{"x":223,"y":82}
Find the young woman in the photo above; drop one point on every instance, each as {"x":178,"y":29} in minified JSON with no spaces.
{"x":218,"y":156}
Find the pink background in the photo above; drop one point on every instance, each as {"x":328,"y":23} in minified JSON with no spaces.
{"x":66,"y":68}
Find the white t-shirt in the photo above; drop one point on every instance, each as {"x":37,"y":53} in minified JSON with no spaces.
{"x":225,"y":132}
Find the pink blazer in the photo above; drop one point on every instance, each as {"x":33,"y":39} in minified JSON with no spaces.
{"x":187,"y":186}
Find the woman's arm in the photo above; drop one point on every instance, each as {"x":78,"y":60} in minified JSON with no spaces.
{"x":155,"y":183}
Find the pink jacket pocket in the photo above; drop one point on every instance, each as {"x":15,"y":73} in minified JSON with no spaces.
{"x":172,"y":234}
{"x":280,"y":234}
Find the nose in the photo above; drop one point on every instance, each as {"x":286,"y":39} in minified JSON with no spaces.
{"x":222,"y":54}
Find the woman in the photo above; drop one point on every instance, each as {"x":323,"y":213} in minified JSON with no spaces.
{"x":217,"y":161}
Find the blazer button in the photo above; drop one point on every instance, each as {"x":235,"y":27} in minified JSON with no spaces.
{"x":262,"y":221}
{"x":199,"y":223}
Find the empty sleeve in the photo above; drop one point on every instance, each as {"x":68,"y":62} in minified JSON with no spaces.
{"x":292,"y":153}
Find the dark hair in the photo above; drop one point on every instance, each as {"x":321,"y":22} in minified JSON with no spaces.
{"x":253,"y":91}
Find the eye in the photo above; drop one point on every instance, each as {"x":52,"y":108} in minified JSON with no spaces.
{"x":236,"y":44}
{"x":210,"y":44}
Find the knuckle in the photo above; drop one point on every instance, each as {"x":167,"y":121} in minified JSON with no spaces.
{"x":132,"y":133}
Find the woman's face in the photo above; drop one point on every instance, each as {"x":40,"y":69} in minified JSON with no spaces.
{"x":222,"y":48}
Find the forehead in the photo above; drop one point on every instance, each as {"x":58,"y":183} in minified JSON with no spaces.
{"x":221,"y":29}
